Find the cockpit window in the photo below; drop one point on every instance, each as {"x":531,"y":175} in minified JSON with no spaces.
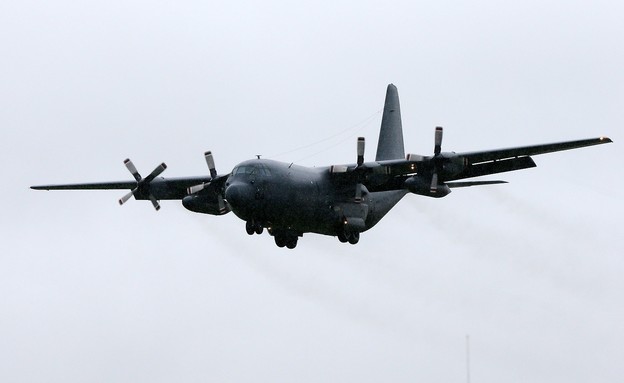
{"x":256,"y":169}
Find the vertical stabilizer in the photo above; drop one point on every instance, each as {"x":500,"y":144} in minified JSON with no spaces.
{"x":390,"y":145}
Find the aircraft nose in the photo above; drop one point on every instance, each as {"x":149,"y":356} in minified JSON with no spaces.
{"x":239,"y":196}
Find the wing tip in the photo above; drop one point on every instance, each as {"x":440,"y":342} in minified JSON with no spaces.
{"x":605,"y":140}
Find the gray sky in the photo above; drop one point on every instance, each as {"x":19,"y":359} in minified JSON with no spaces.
{"x":531,"y":270}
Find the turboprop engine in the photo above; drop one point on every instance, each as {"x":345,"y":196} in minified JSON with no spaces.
{"x":435,"y":170}
{"x":207,"y":197}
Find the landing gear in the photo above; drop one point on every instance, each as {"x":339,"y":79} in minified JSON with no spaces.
{"x":286,"y":239}
{"x":253,"y":227}
{"x":342,"y":237}
{"x":352,"y":237}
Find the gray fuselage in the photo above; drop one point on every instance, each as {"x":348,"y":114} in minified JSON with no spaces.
{"x":284,"y":196}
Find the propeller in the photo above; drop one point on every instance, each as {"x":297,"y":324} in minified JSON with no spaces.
{"x":361,"y":144}
{"x":213,"y":173}
{"x":142,"y":185}
{"x":437,"y":149}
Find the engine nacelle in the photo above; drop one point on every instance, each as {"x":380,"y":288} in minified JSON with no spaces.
{"x":422,"y":186}
{"x":204,"y":204}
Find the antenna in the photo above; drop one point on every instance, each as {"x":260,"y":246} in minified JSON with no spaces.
{"x":468,"y":358}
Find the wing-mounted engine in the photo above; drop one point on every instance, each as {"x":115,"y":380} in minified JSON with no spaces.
{"x":352,"y":177}
{"x":434,"y":171}
{"x":440,"y":167}
{"x":364,"y":177}
{"x":208,"y":197}
{"x":142,"y":189}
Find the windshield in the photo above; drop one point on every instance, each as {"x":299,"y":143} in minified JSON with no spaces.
{"x":256,"y":169}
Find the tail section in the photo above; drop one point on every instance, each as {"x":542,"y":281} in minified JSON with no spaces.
{"x":390,"y":145}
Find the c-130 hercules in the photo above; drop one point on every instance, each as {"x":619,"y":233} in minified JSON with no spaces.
{"x":341,"y":200}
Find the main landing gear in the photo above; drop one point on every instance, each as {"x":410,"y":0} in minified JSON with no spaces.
{"x":253,"y":227}
{"x":286,"y":239}
{"x":352,"y":237}
{"x":283,"y":238}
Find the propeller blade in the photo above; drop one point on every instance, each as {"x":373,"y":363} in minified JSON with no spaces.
{"x":360,"y":150}
{"x":438,"y":140}
{"x":155,"y":173}
{"x":434,"y":183}
{"x":154,"y":202}
{"x":210,"y":163}
{"x":126,"y":197}
{"x":221,"y":203}
{"x":132,"y":169}
{"x":196,"y":188}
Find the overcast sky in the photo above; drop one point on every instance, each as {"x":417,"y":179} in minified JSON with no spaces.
{"x":531,"y":271}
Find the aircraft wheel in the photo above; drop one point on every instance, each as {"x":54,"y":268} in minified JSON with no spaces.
{"x":280,"y":241}
{"x":249,"y":227}
{"x":354,"y":238}
{"x":342,"y":237}
{"x":259,"y":229}
{"x":291,"y":243}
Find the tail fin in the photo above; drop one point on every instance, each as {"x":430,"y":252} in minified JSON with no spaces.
{"x":390,"y":145}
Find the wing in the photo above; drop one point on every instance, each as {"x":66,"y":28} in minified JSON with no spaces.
{"x":504,"y":160}
{"x":201,"y":194}
{"x":491,"y":155}
{"x":391,"y":174}
{"x":160,"y":188}
{"x":89,"y":186}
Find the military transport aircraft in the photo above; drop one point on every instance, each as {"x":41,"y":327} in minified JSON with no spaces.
{"x":340,"y":200}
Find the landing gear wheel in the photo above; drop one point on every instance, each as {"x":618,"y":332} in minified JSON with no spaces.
{"x":253,"y":227}
{"x":286,"y":239}
{"x":354,"y":238}
{"x":249,"y":227}
{"x":291,"y":243}
{"x":342,"y":237}
{"x":280,"y":241}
